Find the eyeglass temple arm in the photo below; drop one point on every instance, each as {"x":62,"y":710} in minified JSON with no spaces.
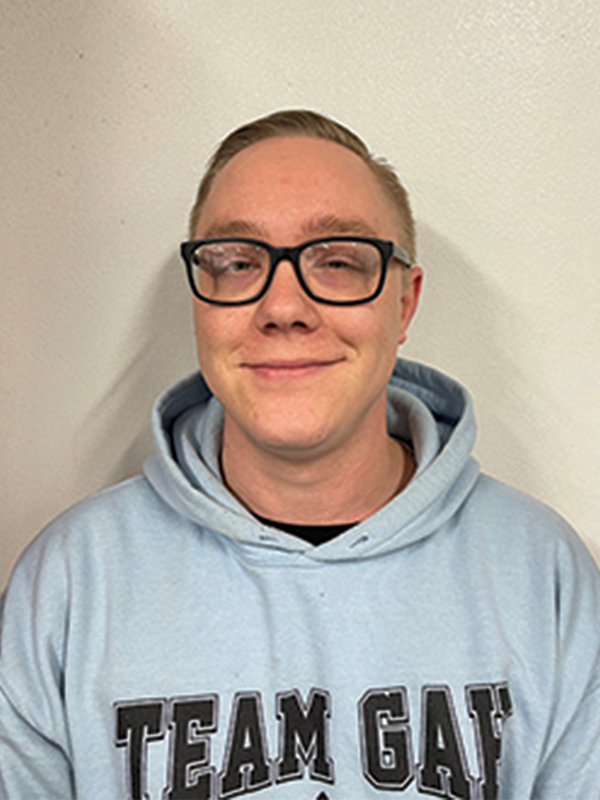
{"x":402,"y":256}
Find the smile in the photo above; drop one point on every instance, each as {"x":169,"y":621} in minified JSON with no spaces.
{"x":292,"y":369}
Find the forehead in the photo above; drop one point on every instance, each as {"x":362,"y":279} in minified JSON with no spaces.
{"x":283,"y":181}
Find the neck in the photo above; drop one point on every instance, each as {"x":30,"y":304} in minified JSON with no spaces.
{"x":344,"y":486}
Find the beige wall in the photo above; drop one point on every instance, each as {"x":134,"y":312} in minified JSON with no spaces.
{"x":489,"y":108}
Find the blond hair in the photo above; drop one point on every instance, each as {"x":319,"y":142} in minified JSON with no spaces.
{"x":301,"y":122}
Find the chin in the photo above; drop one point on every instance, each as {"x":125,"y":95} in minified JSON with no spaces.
{"x":293,"y":444}
{"x":297,"y":440}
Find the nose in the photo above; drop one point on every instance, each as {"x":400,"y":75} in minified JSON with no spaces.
{"x":285,"y":305}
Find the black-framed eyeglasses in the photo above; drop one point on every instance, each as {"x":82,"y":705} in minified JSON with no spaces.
{"x":338,"y":270}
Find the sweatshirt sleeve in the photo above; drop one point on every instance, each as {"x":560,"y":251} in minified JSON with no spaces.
{"x":569,"y":768}
{"x":34,"y":746}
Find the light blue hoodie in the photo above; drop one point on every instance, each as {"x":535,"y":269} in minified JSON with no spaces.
{"x":157,"y":641}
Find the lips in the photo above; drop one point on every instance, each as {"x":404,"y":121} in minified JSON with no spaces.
{"x":291,"y":369}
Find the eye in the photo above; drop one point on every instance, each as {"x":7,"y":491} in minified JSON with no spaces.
{"x":336,"y":263}
{"x":239,"y":265}
{"x":338,"y":259}
{"x":228,"y":259}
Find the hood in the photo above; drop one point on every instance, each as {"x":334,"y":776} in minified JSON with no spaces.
{"x":429,"y":411}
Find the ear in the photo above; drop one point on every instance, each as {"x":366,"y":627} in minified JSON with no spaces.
{"x":412,"y":280}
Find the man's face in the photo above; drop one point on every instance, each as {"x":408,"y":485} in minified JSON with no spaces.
{"x":296,"y":377}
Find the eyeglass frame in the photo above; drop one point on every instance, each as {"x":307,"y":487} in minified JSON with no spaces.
{"x":387,"y":250}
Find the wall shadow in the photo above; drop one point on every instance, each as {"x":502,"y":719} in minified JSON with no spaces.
{"x":467,"y":327}
{"x":116,"y":437}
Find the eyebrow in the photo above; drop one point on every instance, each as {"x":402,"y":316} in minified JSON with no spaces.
{"x":332,"y":224}
{"x":323,"y":225}
{"x":233,"y":227}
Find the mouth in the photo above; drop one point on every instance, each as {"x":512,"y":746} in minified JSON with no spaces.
{"x":290,"y":369}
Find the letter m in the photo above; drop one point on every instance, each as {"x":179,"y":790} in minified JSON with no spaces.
{"x":303,"y":738}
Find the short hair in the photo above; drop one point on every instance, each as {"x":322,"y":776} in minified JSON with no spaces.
{"x":303,"y":122}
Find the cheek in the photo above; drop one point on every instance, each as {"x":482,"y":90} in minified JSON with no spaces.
{"x":374,"y":333}
{"x":220,"y":333}
{"x":212,"y":326}
{"x":389,"y":318}
{"x":389,"y":335}
{"x":209,"y":339}
{"x":200,"y":333}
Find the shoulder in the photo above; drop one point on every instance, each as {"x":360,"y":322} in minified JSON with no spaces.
{"x":520,"y":535}
{"x":506,"y":509}
{"x":119,"y":541}
{"x":100,"y":528}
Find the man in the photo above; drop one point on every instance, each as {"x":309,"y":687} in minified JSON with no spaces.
{"x":312,"y":592}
